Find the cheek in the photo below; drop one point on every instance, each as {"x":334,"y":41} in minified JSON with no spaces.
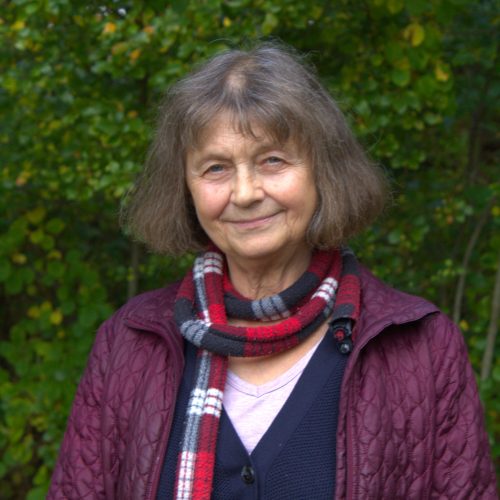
{"x":208,"y":201}
{"x":299,"y":194}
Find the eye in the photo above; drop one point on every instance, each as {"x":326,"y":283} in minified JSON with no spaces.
{"x":216,"y":168}
{"x":273,"y":160}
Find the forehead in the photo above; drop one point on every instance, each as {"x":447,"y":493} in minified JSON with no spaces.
{"x":225,"y":128}
{"x":225,"y":125}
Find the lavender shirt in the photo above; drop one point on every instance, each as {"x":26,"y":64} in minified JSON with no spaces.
{"x":252,"y":408}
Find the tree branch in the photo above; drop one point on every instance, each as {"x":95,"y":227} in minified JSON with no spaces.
{"x":459,"y":292}
{"x":492,"y":327}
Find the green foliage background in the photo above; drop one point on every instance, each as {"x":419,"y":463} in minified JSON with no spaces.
{"x":79,"y":84}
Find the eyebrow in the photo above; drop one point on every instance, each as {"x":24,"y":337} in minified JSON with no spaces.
{"x":212,"y":155}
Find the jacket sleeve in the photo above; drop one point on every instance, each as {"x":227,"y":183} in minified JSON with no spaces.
{"x":463,"y":465}
{"x":78,"y":472}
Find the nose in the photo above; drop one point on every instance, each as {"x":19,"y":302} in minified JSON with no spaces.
{"x":247,"y":187}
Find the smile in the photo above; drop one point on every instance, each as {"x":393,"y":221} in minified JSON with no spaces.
{"x":253,"y":223}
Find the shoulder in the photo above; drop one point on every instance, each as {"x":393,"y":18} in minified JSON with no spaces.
{"x":148,"y":308}
{"x":152,"y":305}
{"x":150,"y":312}
{"x":404,"y":321}
{"x":383,"y":305}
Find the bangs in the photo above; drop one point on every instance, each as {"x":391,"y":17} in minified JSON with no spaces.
{"x":251,"y":113}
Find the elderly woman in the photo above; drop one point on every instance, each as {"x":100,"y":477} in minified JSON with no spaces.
{"x":279,"y":367}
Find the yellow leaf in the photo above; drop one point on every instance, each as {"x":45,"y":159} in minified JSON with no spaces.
{"x":18,"y":25}
{"x":270,"y":22}
{"x":440,"y":74}
{"x":316,"y":11}
{"x":395,"y":6}
{"x":403,"y":63}
{"x":226,"y":22}
{"x":415,"y":33}
{"x":10,"y":84}
{"x":36,"y":215}
{"x":19,"y":258}
{"x":56,"y":317}
{"x":134,"y":55}
{"x":23,"y":178}
{"x":118,"y":48}
{"x":464,"y":326}
{"x":54,"y":255}
{"x":46,"y":306}
{"x":149,"y":30}
{"x":495,"y":211}
{"x":109,"y":28}
{"x":33,"y":312}
{"x":53,"y":125}
{"x":132,"y":113}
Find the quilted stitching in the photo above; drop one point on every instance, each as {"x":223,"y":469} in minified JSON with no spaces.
{"x":410,"y":422}
{"x":411,"y":425}
{"x":123,"y":406}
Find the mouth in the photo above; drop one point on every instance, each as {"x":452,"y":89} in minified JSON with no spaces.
{"x":253,"y":223}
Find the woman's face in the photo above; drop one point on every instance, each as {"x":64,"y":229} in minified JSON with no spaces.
{"x":254,"y":198}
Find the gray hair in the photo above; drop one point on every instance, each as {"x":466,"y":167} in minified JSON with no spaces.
{"x":272,"y":87}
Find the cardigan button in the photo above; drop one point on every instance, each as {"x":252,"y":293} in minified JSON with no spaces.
{"x":247,"y":474}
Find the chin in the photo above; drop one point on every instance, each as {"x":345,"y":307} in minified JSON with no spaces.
{"x":261,"y":251}
{"x":251,"y":252}
{"x":251,"y":255}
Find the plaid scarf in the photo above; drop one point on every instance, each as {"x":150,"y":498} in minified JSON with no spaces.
{"x":328,"y":289}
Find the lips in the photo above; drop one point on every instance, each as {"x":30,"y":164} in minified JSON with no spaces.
{"x":254,"y":222}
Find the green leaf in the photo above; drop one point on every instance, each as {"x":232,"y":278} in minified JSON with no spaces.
{"x":401,"y":77}
{"x":270,"y":22}
{"x":5,"y":269}
{"x":55,"y":226}
{"x":393,"y":52}
{"x":56,"y":269}
{"x":14,"y":283}
{"x":38,"y":493}
{"x":395,"y":6}
{"x":394,"y":237}
{"x":496,"y":373}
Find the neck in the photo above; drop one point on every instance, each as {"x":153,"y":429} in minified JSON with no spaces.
{"x":255,"y":279}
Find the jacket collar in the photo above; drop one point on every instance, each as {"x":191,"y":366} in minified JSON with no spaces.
{"x":153,"y":311}
{"x":381,"y":306}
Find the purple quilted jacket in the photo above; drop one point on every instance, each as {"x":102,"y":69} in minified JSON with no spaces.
{"x":410,"y":422}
